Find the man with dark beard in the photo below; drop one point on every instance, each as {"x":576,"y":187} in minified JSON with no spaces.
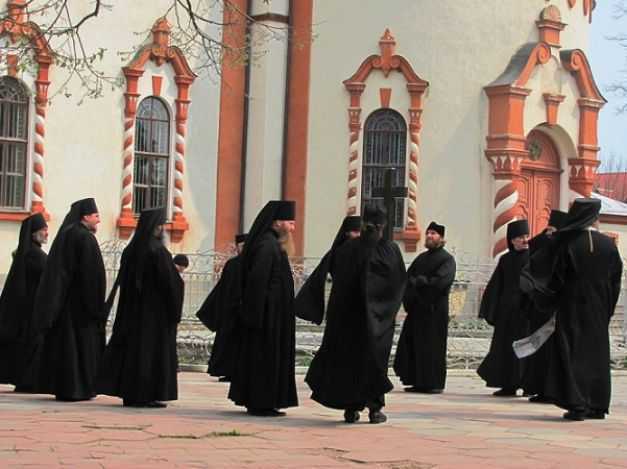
{"x":219,"y":314}
{"x":420,"y":359}
{"x":263,"y":378}
{"x":16,"y":301}
{"x":501,"y":307}
{"x":309,"y":301}
{"x":69,"y":314}
{"x":583,"y":289}
{"x":540,"y":247}
{"x":140,"y":362}
{"x":349,"y":371}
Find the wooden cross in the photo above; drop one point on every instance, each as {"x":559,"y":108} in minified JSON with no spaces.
{"x":389,"y":194}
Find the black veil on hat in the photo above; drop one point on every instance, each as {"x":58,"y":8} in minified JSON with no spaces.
{"x":582,"y":214}
{"x":440,"y":229}
{"x":374,"y":215}
{"x":557,"y":218}
{"x":515,"y":229}
{"x":350,"y":223}
{"x":14,"y":296}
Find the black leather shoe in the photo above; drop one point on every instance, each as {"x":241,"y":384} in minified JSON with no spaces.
{"x":595,"y":415}
{"x":414,"y":389}
{"x":575,"y":415}
{"x":351,"y":416}
{"x":377,"y":416}
{"x":265,"y":412}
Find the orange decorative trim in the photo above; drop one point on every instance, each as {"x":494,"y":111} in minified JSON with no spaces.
{"x":387,"y":62}
{"x":12,"y":65}
{"x":410,"y":239}
{"x":17,"y":26}
{"x":588,"y":7}
{"x":14,"y":216}
{"x":552,"y":102}
{"x":274,"y":17}
{"x":296,"y":144}
{"x":128,"y":222}
{"x":576,"y":62}
{"x":385,"y":96}
{"x":157,"y":82}
{"x":550,"y":26}
{"x":160,"y":52}
{"x":540,"y":55}
{"x":231,"y":127}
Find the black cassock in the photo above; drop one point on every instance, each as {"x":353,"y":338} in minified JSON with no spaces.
{"x":140,"y":362}
{"x":263,"y":377}
{"x":350,"y":369}
{"x":16,"y":306}
{"x":69,"y":316}
{"x":421,"y":352}
{"x":586,"y":283}
{"x":502,"y":307}
{"x":541,"y":248}
{"x":219,"y":314}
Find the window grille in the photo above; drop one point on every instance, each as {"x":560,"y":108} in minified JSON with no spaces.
{"x":14,"y":102}
{"x":152,"y":155}
{"x":385,"y":144}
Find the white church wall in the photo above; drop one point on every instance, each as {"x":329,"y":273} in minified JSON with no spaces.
{"x":83,"y":142}
{"x":459,"y":49}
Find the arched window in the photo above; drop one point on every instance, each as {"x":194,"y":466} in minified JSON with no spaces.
{"x":152,"y":155}
{"x":385,"y":144}
{"x":13,"y":143}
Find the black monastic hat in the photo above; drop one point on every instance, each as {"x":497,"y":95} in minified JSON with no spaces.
{"x":181,"y":259}
{"x":374,"y":215}
{"x":241,"y":238}
{"x":285,"y":209}
{"x":440,"y":229}
{"x":87,"y":206}
{"x":517,"y":228}
{"x":582,"y":214}
{"x":351,"y":223}
{"x":557,"y":218}
{"x":37,"y":222}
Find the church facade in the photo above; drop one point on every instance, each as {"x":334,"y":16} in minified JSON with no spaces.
{"x":485,"y":111}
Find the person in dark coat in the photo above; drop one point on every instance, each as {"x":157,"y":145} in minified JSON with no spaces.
{"x":69,"y":315}
{"x":16,"y":302}
{"x":263,"y":379}
{"x":309,"y":302}
{"x":420,"y":359}
{"x":350,"y":370}
{"x":502,"y":307}
{"x":583,"y":289}
{"x":140,"y":362}
{"x":219,"y":314}
{"x":540,"y":247}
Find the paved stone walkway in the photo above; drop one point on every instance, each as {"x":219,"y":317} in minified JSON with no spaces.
{"x":465,"y":427}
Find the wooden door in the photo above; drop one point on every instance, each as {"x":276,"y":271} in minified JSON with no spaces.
{"x":540,"y":181}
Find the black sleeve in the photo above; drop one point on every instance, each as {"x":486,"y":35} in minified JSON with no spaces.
{"x":91,"y":277}
{"x":488,"y":309}
{"x":443,"y":278}
{"x":257,"y":281}
{"x":309,"y":302}
{"x":213,"y":306}
{"x":616,"y":277}
{"x":170,"y":284}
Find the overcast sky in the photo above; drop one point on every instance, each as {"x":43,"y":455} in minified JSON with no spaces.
{"x":609,"y":64}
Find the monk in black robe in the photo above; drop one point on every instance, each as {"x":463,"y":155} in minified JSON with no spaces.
{"x":350,"y":370}
{"x":69,"y":314}
{"x":263,"y":378}
{"x":583,"y":288}
{"x":502,"y":307}
{"x":420,"y":359}
{"x":309,"y":301}
{"x":16,"y":301}
{"x":140,"y":362}
{"x":536,"y":365}
{"x":219,"y":314}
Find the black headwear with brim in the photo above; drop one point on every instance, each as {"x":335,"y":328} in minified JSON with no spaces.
{"x":14,"y":296}
{"x":582,"y":214}
{"x":181,"y":260}
{"x":285,"y":210}
{"x":241,"y":238}
{"x":374,"y":215}
{"x":439,"y":229}
{"x":351,"y":223}
{"x":557,"y":219}
{"x":515,"y":229}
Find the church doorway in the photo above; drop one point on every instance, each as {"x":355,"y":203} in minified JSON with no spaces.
{"x":540,"y":179}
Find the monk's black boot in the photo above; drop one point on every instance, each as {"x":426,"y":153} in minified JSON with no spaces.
{"x":376,"y":416}
{"x":351,"y":416}
{"x":576,"y":415}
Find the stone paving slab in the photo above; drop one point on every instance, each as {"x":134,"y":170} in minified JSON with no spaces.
{"x":464,"y":427}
